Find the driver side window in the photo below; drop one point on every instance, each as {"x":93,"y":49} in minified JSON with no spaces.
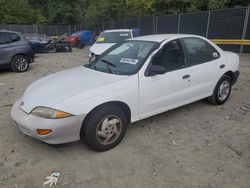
{"x":171,"y":56}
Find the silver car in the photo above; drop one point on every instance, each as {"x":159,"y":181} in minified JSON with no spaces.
{"x":15,"y":51}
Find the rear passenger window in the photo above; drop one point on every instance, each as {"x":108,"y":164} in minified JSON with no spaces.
{"x":11,"y":37}
{"x":199,"y":51}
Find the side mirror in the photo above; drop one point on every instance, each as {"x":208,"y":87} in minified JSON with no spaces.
{"x":155,"y":70}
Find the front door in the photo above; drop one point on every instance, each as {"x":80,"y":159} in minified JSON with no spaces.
{"x":162,"y":92}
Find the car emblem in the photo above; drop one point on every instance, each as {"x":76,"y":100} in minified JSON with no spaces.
{"x":22,"y":103}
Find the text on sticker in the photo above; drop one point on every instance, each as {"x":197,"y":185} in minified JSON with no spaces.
{"x":129,"y":61}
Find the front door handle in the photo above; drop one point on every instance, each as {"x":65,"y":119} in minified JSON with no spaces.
{"x":222,"y":66}
{"x":186,"y":76}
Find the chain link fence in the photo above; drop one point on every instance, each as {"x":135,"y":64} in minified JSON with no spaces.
{"x":219,"y":24}
{"x":50,"y":30}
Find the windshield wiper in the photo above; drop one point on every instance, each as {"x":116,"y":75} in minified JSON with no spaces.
{"x":108,"y":63}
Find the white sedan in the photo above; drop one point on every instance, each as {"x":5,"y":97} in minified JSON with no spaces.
{"x":131,"y":81}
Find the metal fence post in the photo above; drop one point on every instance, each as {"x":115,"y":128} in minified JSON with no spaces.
{"x":103,"y":26}
{"x":208,"y":22}
{"x":245,"y":28}
{"x":124,"y":23}
{"x":41,"y":29}
{"x":25,"y":29}
{"x":139,"y":24}
{"x":69,"y":30}
{"x":179,"y":23}
{"x":153,"y":24}
{"x":156,"y":25}
{"x":112,"y":24}
{"x":56,"y":30}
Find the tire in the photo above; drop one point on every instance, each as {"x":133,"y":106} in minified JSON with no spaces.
{"x":20,"y":63}
{"x":70,"y":49}
{"x":105,"y":128}
{"x":81,"y":46}
{"x":222,"y":91}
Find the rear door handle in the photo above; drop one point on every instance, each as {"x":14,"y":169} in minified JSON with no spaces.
{"x":222,"y":66}
{"x":186,"y":76}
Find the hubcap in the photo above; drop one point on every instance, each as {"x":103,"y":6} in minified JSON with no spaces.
{"x":21,"y":64}
{"x":109,"y":129}
{"x":223,"y":90}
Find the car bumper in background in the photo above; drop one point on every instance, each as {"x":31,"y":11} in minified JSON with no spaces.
{"x":63,"y":130}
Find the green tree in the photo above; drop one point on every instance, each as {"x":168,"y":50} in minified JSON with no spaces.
{"x":17,"y":11}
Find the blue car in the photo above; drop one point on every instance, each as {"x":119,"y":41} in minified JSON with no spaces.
{"x":38,"y":42}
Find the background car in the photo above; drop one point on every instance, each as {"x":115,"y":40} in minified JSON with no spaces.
{"x":15,"y":51}
{"x":38,"y":41}
{"x":80,"y":39}
{"x":109,"y":38}
{"x":73,"y":39}
{"x":45,"y":44}
{"x":133,"y":80}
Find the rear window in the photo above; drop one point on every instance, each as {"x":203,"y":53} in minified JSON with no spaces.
{"x":199,"y":51}
{"x":113,"y":37}
{"x":6,"y":38}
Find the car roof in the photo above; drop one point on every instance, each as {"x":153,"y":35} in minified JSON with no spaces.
{"x":117,"y":30}
{"x":162,"y":37}
{"x":3,"y":30}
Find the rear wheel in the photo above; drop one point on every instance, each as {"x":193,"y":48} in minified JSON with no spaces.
{"x":20,"y":63}
{"x":222,"y":91}
{"x":81,"y":45}
{"x":105,"y":128}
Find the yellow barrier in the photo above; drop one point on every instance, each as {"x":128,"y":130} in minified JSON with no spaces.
{"x":231,"y":41}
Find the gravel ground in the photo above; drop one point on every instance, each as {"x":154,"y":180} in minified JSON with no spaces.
{"x":198,"y":145}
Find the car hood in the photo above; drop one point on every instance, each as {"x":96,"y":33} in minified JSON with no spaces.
{"x":53,"y":89}
{"x":99,"y":48}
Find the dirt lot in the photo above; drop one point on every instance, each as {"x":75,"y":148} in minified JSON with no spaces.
{"x":198,"y":145}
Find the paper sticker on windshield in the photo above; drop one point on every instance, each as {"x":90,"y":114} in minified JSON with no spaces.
{"x":124,"y":34}
{"x":129,"y":61}
{"x":101,"y":39}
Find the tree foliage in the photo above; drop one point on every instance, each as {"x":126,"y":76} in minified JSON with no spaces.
{"x":96,"y":11}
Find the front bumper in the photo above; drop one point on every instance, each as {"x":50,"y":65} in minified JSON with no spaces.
{"x":63,"y":130}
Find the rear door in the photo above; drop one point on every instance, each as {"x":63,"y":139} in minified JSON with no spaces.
{"x":206,"y":65}
{"x":3,"y":49}
{"x":10,"y":43}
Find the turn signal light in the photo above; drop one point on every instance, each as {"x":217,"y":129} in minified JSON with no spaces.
{"x":59,"y":114}
{"x":44,"y":131}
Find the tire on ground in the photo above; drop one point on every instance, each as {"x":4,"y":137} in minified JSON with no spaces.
{"x":214,"y":99}
{"x":14,"y":66}
{"x":89,"y":133}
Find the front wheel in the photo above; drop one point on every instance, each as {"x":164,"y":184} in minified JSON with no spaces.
{"x":221,"y":91}
{"x":105,"y":128}
{"x":20,"y":63}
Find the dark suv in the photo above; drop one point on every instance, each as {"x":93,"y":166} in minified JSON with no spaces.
{"x":15,"y":51}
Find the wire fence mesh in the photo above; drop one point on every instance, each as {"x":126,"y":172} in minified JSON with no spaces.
{"x":219,"y":24}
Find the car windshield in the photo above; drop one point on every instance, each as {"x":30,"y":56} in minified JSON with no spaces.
{"x":113,"y":37}
{"x":125,"y":58}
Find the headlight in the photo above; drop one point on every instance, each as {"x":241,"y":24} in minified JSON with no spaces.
{"x":49,"y":113}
